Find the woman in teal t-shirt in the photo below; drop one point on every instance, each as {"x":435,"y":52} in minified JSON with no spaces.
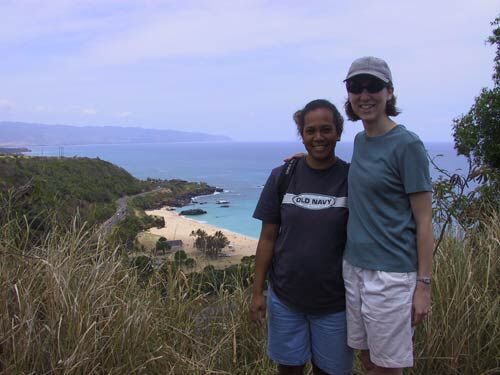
{"x":388,"y":256}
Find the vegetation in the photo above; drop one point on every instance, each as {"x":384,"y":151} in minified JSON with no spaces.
{"x":170,"y":193}
{"x":463,"y":200}
{"x":125,"y":232}
{"x":162,"y":245}
{"x":210,"y":245}
{"x":87,"y":188}
{"x":65,"y":187}
{"x":73,"y":304}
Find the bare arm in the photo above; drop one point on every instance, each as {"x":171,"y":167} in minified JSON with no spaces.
{"x":421,"y":206}
{"x":298,"y":155}
{"x":263,"y":257}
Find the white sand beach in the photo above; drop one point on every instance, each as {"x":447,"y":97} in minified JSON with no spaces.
{"x":178,"y":227}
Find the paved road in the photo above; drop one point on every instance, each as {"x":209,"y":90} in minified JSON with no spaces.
{"x":120,"y":213}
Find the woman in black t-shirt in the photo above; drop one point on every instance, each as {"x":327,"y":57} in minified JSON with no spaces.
{"x":300,"y":246}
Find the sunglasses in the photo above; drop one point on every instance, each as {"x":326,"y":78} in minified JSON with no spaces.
{"x":372,"y":86}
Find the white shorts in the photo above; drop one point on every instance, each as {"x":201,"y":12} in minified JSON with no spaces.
{"x":379,"y":314}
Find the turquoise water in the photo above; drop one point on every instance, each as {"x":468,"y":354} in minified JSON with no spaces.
{"x":240,"y":168}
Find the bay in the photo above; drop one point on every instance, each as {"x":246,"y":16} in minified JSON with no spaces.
{"x":240,"y":168}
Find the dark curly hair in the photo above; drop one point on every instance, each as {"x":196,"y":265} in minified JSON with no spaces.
{"x":390,"y":108}
{"x":300,"y":115}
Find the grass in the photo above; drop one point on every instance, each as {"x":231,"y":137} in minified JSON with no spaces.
{"x":71,"y":305}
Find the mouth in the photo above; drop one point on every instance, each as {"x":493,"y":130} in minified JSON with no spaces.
{"x":366,"y":106}
{"x":321,"y":147}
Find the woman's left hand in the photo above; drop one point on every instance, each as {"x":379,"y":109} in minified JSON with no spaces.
{"x":421,"y":303}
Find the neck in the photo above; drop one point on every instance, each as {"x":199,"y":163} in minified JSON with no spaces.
{"x":380,"y":127}
{"x":320,"y":164}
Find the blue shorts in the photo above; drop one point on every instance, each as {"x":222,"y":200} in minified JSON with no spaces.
{"x":294,"y":338}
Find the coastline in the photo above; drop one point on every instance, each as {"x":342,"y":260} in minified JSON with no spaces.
{"x":178,"y":227}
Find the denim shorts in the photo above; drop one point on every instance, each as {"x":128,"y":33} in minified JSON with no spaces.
{"x":294,"y":338}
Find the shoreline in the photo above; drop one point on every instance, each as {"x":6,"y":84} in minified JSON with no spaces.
{"x":178,"y":227}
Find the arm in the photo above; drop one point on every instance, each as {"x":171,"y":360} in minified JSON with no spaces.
{"x":421,"y":206}
{"x":298,"y":155}
{"x":263,"y":257}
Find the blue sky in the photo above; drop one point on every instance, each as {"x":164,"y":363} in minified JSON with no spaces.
{"x":239,"y":68}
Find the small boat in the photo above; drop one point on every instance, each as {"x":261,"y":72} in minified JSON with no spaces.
{"x":221,"y":201}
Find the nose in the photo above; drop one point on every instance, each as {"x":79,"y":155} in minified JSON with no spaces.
{"x":364,"y":93}
{"x":317,"y":135}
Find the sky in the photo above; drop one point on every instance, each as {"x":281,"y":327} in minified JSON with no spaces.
{"x":236,"y":68}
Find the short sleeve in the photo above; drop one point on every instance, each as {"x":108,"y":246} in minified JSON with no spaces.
{"x":268,"y":207}
{"x":414,"y":168}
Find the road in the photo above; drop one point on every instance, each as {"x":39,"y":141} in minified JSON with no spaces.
{"x":120,"y":213}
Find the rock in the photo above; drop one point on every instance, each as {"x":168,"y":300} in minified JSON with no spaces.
{"x":192,"y":212}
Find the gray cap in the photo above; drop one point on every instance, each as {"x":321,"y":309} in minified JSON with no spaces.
{"x":372,"y":66}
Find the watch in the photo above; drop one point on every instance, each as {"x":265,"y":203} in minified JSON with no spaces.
{"x":424,"y":279}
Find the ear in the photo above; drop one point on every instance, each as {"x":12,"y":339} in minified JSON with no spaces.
{"x":390,"y":93}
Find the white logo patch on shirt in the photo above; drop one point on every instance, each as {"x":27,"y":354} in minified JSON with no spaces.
{"x":314,"y":201}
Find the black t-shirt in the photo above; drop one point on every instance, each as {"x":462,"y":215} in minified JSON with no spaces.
{"x":306,"y":270}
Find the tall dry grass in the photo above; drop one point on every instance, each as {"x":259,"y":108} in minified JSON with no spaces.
{"x":462,"y":335}
{"x":71,"y":305}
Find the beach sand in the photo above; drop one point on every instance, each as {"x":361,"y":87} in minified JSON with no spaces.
{"x":178,"y":227}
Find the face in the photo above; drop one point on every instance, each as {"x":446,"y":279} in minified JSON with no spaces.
{"x":366,"y":102}
{"x":320,"y":135}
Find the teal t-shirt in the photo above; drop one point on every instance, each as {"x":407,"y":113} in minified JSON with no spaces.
{"x":384,"y":171}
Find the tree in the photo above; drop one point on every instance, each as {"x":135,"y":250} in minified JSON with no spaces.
{"x":477,"y":137}
{"x":143,"y":266}
{"x":190,"y":263}
{"x":216,"y":243}
{"x":180,"y":256}
{"x":477,"y":133}
{"x":200,"y":241}
{"x":162,"y":245}
{"x":210,"y":245}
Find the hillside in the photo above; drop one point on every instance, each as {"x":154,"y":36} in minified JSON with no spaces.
{"x":66,"y":186}
{"x":29,"y":134}
{"x":48,"y":188}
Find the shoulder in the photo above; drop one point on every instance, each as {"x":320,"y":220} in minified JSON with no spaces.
{"x":406,"y":136}
{"x":359,"y":136}
{"x":342,"y":165}
{"x":278,"y":170}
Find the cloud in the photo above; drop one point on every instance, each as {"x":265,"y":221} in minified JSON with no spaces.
{"x":89,"y":111}
{"x":29,"y":20}
{"x":123,"y":114}
{"x":121,"y":32}
{"x":43,"y":108}
{"x":6,"y":105}
{"x":221,"y":29}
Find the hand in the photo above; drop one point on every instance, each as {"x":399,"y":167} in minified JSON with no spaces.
{"x":421,"y":303}
{"x":258,"y":309}
{"x":295,"y":156}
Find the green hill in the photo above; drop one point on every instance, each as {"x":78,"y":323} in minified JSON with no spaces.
{"x":47,"y":190}
{"x":66,"y":186}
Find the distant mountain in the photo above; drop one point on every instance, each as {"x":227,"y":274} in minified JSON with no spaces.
{"x":29,"y":134}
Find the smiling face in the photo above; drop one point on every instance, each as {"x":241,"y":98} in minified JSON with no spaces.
{"x":366,"y":102}
{"x":320,"y":137}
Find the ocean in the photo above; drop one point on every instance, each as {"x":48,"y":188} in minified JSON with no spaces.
{"x":240,"y":168}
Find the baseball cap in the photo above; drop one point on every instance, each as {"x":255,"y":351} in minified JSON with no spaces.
{"x":372,"y":66}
